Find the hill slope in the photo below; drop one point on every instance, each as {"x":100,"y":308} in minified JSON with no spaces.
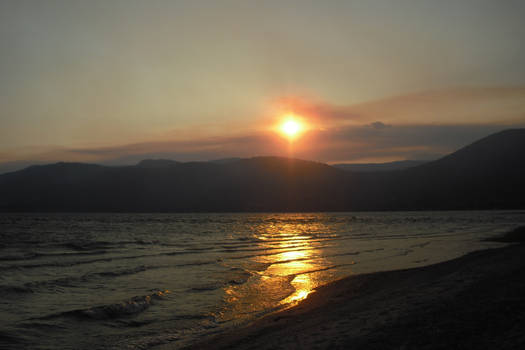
{"x":489,"y":173}
{"x":265,"y":183}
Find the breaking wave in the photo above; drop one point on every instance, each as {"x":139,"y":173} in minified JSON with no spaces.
{"x":125,"y":308}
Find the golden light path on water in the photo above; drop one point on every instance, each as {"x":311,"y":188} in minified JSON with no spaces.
{"x":294,"y":262}
{"x":291,"y":266}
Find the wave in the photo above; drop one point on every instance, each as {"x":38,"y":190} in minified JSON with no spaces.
{"x":8,"y":340}
{"x":420,"y":245}
{"x":206,"y":287}
{"x":7,"y":289}
{"x":123,"y":272}
{"x":54,"y":264}
{"x":32,"y":287}
{"x":267,"y":254}
{"x":87,"y":261}
{"x":343,"y":254}
{"x":125,"y":308}
{"x":405,"y":252}
{"x":257,"y":249}
{"x":330,"y":267}
{"x":373,"y":250}
{"x":37,"y":255}
{"x":195,"y":263}
{"x":236,"y":276}
{"x":239,"y":277}
{"x":25,"y":256}
{"x":94,"y":275}
{"x":195,"y":317}
{"x":65,"y":254}
{"x":82,"y":246}
{"x":91,"y":245}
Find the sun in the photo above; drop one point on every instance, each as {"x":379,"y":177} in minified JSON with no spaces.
{"x":291,"y":127}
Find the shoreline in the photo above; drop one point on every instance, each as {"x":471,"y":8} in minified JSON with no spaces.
{"x":474,"y":301}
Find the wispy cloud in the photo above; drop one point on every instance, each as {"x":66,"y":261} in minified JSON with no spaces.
{"x":411,"y":141}
{"x":504,"y":105}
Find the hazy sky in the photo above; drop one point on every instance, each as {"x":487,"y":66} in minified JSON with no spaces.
{"x":105,"y":80}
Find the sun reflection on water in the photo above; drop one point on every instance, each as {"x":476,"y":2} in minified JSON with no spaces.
{"x":303,"y":287}
{"x":292,"y":263}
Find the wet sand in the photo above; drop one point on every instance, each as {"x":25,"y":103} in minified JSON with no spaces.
{"x":473,"y":302}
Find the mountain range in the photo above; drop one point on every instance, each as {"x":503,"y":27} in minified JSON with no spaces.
{"x":488,"y":174}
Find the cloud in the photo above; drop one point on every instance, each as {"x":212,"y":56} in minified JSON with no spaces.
{"x":450,"y":106}
{"x":411,"y":141}
{"x":379,"y":125}
{"x":482,"y":105}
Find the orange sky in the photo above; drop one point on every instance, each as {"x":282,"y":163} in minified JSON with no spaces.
{"x":115,"y":81}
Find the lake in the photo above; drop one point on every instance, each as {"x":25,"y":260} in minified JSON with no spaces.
{"x":134,"y":281}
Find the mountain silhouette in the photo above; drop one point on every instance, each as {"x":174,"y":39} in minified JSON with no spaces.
{"x":488,"y":174}
{"x":372,"y":167}
{"x":157,"y":163}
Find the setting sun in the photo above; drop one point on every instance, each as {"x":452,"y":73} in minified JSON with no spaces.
{"x":291,"y":128}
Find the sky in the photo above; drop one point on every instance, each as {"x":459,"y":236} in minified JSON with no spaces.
{"x":115,"y":82}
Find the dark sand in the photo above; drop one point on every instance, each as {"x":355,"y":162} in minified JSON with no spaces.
{"x":473,"y":302}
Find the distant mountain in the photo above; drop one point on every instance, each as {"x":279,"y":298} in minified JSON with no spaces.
{"x":494,"y":154}
{"x":256,"y":184}
{"x":488,"y":174}
{"x":8,"y":167}
{"x":162,"y":163}
{"x":372,"y":167}
{"x":225,"y":160}
{"x":157,"y":163}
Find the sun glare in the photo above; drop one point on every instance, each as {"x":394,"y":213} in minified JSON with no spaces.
{"x":291,"y":128}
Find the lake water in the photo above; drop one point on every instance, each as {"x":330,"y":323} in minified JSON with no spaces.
{"x":135,"y":281}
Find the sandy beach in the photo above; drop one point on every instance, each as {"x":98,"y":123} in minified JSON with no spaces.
{"x":474,"y":302}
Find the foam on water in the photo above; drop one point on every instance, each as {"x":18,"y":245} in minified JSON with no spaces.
{"x":125,"y":308}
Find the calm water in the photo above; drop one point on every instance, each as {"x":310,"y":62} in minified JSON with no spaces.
{"x":135,"y":281}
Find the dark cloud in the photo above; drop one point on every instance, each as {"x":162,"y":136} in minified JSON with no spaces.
{"x":400,"y":142}
{"x":379,"y":125}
